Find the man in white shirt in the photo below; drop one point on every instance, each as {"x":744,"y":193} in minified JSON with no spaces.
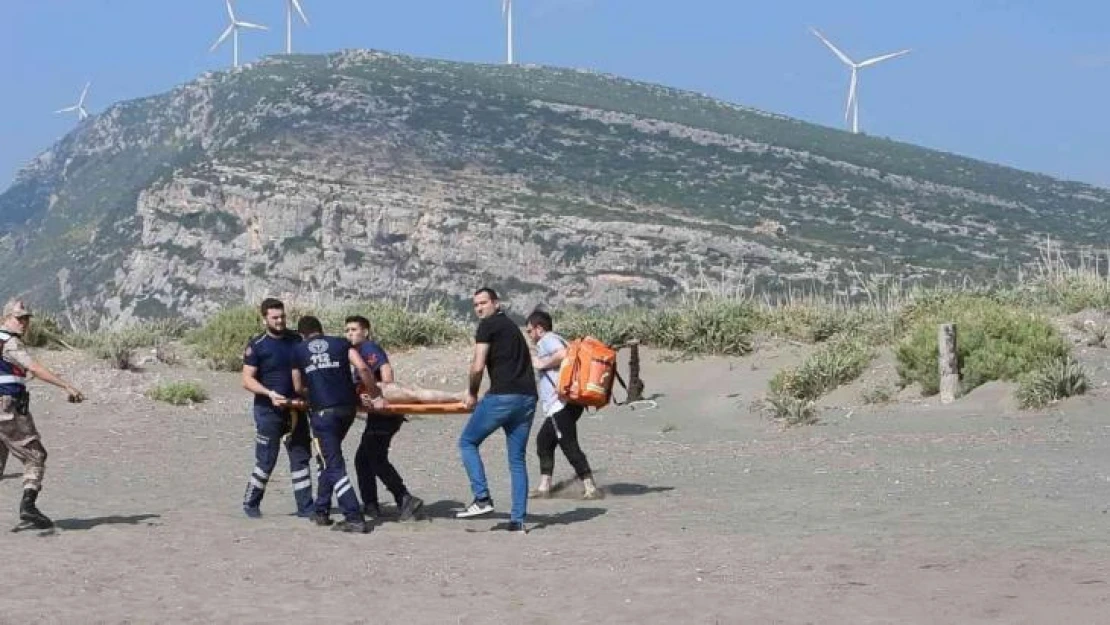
{"x":560,"y":426}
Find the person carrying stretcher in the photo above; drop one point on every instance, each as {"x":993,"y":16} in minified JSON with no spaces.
{"x":372,"y":458}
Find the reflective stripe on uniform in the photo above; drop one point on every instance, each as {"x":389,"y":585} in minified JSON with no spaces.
{"x":13,"y":379}
{"x":342,"y":486}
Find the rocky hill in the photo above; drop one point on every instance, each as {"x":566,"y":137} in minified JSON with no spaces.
{"x":364,"y":174}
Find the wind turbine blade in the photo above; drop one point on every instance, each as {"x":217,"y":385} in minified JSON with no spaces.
{"x":84,"y":92}
{"x":67,"y":109}
{"x":250,"y":25}
{"x":843,"y":57}
{"x":230,"y":11}
{"x":297,"y":5}
{"x":222,"y":38}
{"x":885,"y":57}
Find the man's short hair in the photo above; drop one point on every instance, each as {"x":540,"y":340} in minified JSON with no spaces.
{"x":269,"y":304}
{"x":540,"y":319}
{"x":309,"y":325}
{"x":362,"y":322}
{"x":488,"y":291}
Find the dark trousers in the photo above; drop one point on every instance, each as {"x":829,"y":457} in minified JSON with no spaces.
{"x":561,"y":430}
{"x":372,"y":461}
{"x":271,"y":425}
{"x":330,"y":426}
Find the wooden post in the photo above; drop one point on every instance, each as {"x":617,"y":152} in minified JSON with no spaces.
{"x":635,"y":384}
{"x":948,"y":363}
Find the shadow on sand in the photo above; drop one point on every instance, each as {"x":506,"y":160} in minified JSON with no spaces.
{"x":88,"y":524}
{"x":446,"y":510}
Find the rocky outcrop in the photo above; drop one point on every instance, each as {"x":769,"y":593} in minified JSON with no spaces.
{"x":367,"y":175}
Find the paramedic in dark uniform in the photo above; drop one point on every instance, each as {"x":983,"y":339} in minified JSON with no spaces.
{"x":323,"y":373}
{"x":268,"y":374}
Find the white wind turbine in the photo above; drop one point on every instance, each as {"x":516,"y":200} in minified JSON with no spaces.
{"x":80,"y":106}
{"x":851,"y":112}
{"x":507,"y":12}
{"x":233,"y":29}
{"x":290,"y":6}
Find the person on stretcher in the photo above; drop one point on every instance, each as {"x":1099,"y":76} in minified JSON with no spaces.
{"x":357,"y":330}
{"x":395,"y":393}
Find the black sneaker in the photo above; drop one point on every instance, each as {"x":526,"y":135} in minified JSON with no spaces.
{"x":323,"y":520}
{"x":410,"y":508}
{"x":353,"y":527}
{"x":372,"y":511}
{"x":516,"y":527}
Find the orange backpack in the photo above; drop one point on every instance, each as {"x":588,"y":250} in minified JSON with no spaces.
{"x":587,"y":372}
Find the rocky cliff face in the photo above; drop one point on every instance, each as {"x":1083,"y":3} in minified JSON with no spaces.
{"x":364,"y":175}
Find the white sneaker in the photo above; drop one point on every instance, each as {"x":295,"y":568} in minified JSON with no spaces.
{"x":477,"y":508}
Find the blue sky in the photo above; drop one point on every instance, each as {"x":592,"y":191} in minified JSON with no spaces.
{"x":1008,"y":81}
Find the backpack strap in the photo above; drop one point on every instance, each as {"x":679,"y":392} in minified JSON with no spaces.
{"x":547,"y":372}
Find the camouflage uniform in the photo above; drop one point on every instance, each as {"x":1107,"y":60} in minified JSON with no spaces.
{"x":18,"y":433}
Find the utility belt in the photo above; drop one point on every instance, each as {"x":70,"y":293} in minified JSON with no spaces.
{"x":20,"y":403}
{"x":335,"y":410}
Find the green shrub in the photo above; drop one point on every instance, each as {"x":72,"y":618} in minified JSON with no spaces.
{"x":836,"y":363}
{"x":716,"y":327}
{"x":118,"y":346}
{"x":221,"y":341}
{"x":711,"y":327}
{"x":1053,"y":381}
{"x":795,"y":389}
{"x":395,"y":327}
{"x":807,"y":322}
{"x":789,"y":409}
{"x":46,"y":332}
{"x":877,"y":395}
{"x":178,"y":393}
{"x":995,"y":341}
{"x":612,"y":328}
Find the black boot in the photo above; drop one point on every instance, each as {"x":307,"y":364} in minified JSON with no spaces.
{"x":29,"y":513}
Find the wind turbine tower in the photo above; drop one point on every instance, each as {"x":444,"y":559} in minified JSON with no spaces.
{"x":851,"y":112}
{"x":290,"y":6}
{"x":507,"y":12}
{"x":233,"y":31}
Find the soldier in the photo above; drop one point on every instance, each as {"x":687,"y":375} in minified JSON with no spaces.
{"x":323,"y":365}
{"x":17,"y":429}
{"x":268,"y":375}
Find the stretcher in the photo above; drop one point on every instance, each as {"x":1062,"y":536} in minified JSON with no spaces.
{"x":455,"y":407}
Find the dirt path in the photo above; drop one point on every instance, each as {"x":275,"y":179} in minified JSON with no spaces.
{"x":970,"y":513}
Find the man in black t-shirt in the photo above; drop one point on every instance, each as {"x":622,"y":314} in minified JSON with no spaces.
{"x":509,"y":404}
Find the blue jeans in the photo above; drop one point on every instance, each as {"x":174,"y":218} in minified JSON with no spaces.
{"x":330,"y":426}
{"x":271,"y":425}
{"x":513,"y":414}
